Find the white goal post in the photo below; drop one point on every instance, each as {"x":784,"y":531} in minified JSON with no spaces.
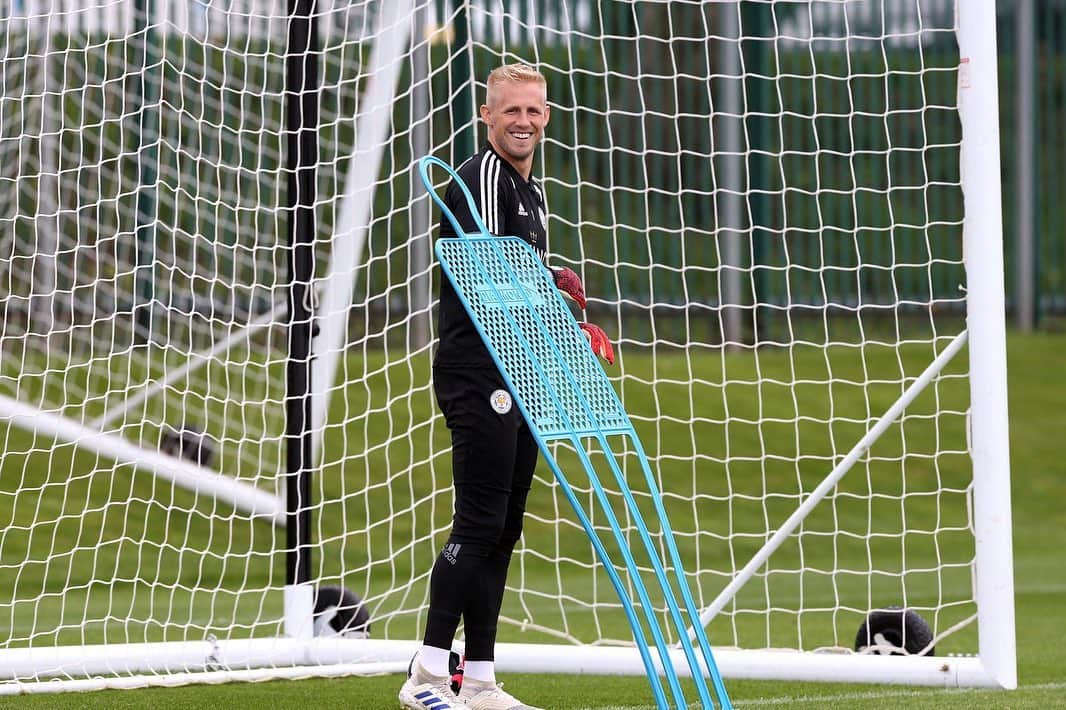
{"x":787,"y":217}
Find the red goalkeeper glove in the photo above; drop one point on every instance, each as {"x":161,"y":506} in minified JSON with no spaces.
{"x":598,"y":341}
{"x":570,"y":284}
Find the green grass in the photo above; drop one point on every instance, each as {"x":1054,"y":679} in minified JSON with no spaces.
{"x":1037,"y":389}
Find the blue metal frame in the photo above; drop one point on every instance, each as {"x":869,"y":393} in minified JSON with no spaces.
{"x":564,"y":394}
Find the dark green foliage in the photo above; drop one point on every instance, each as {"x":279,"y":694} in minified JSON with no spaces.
{"x":851,"y":173}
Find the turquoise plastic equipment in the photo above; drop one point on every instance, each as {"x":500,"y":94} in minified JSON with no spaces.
{"x":564,"y":394}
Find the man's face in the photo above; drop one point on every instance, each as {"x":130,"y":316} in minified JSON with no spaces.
{"x":516,"y":116}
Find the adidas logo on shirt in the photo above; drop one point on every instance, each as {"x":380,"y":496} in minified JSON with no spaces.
{"x":522,"y":210}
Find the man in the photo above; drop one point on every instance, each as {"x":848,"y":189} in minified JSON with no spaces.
{"x":493,"y":451}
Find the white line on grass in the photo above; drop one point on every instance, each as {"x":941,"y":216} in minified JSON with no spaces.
{"x":869,"y":695}
{"x":880,"y":695}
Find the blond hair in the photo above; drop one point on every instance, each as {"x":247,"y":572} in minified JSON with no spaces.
{"x":512,"y":74}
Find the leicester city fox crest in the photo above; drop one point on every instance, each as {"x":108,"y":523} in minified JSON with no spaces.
{"x":501,"y":401}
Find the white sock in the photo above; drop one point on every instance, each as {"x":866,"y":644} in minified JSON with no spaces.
{"x":482,"y":671}
{"x":434,"y":660}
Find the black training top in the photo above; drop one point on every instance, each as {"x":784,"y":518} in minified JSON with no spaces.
{"x":510,"y":206}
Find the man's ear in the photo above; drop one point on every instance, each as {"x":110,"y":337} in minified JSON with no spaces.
{"x":485,"y":114}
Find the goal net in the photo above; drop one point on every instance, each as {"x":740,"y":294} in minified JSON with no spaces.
{"x":786,"y":216}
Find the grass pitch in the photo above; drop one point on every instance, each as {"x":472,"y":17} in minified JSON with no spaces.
{"x":1037,"y":391}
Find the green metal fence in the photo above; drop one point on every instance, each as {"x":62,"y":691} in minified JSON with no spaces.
{"x":850,"y":166}
{"x":1046,"y":41}
{"x":875,"y":217}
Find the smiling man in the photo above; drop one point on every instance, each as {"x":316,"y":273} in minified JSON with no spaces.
{"x":493,"y":451}
{"x":516,"y":111}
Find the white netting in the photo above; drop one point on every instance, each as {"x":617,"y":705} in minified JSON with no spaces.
{"x":764,"y":202}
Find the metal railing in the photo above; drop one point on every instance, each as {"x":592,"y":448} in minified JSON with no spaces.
{"x":631,"y":159}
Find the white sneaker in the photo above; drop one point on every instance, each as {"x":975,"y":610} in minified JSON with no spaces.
{"x":479,"y":695}
{"x":422,"y":691}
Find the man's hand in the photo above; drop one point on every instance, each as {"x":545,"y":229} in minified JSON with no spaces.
{"x":598,"y":341}
{"x":570,"y":284}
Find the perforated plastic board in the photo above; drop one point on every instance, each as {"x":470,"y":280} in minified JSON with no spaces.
{"x":534,"y":338}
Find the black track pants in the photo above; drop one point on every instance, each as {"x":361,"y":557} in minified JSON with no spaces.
{"x":493,"y":458}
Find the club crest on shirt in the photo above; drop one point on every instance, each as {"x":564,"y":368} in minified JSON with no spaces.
{"x":501,"y":401}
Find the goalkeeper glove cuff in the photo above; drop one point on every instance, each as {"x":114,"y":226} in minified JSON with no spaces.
{"x":570,"y":284}
{"x":598,"y":341}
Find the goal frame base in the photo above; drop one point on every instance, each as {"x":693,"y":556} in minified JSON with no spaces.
{"x":114,"y":666}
